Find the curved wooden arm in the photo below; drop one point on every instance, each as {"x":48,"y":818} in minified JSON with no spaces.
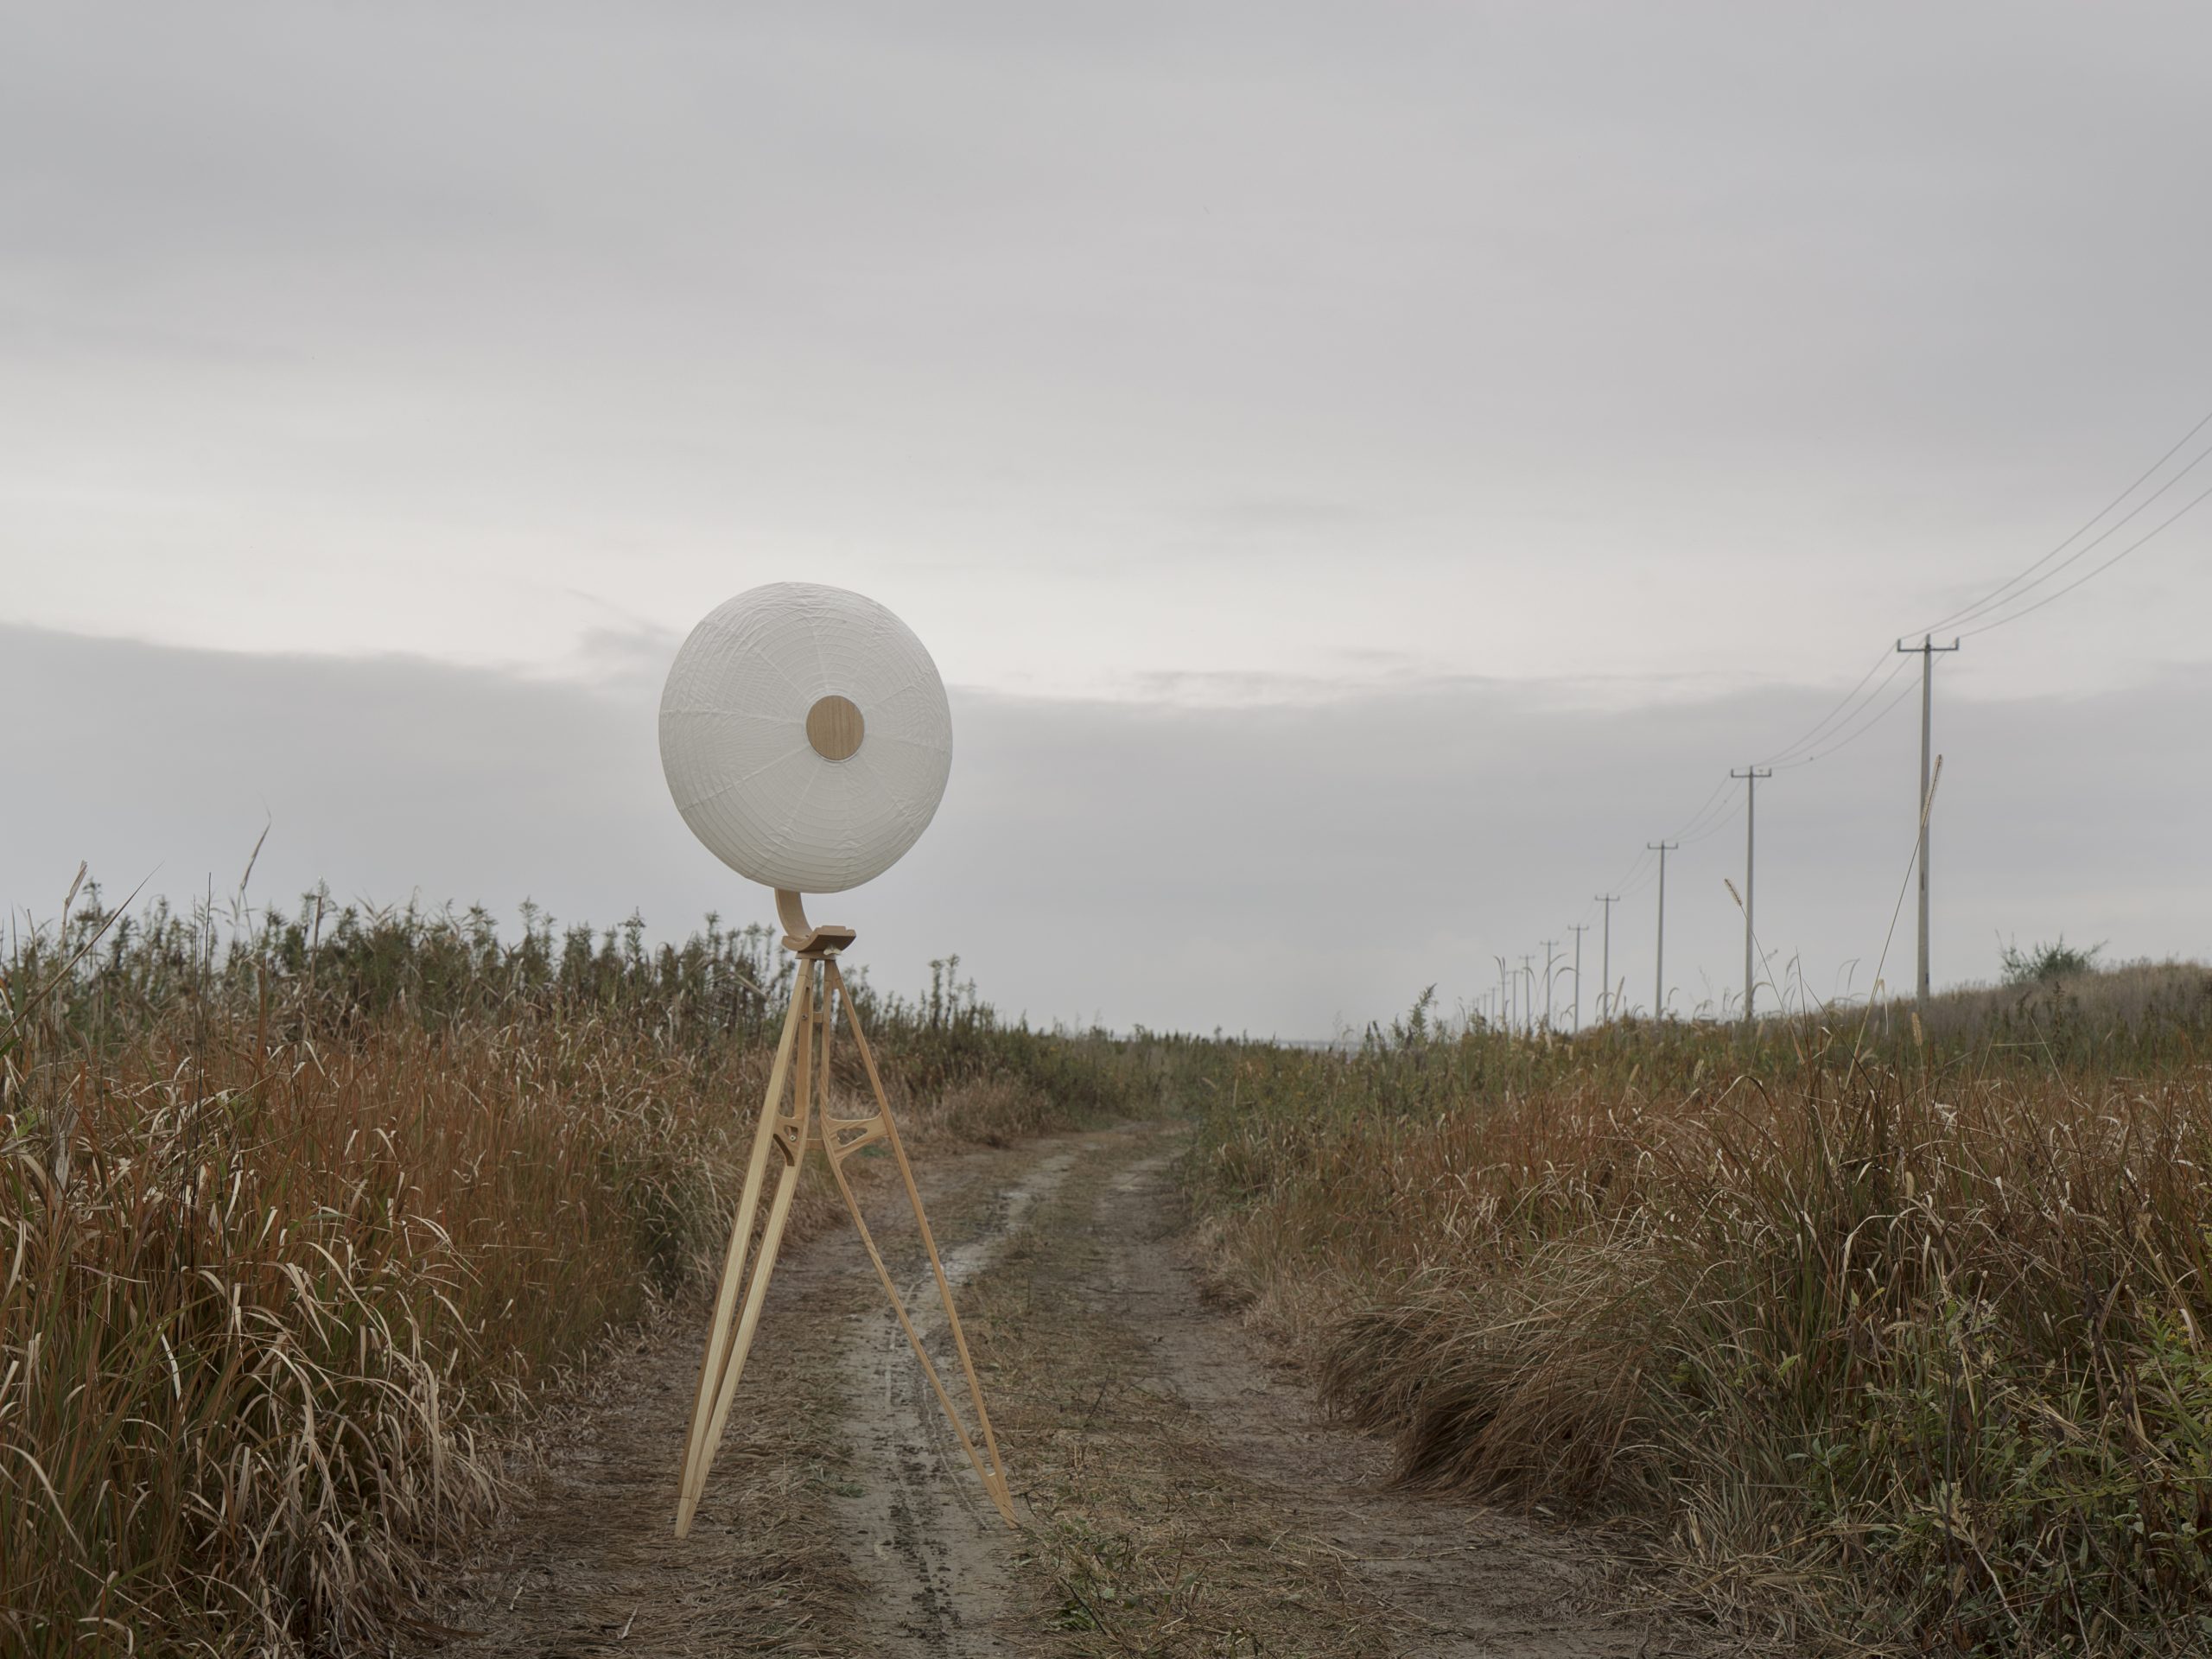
{"x":801,"y":938}
{"x":791,"y":910}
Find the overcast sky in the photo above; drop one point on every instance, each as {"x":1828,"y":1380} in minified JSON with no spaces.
{"x":1364,"y":470}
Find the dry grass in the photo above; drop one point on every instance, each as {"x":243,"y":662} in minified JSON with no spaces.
{"x":297,"y":1216}
{"x":249,"y":1338}
{"x":2127,"y":1018}
{"x":1882,"y":1356}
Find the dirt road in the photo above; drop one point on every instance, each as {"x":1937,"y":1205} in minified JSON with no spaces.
{"x":1178,"y":1495}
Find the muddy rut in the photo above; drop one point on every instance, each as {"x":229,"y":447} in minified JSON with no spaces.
{"x":934,"y":1556}
{"x":1179,"y":1494}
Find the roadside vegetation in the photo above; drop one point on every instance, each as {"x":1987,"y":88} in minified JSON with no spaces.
{"x":1873,"y":1335}
{"x":300,"y":1214}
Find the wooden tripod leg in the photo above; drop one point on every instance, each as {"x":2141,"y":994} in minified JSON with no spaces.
{"x":783,"y":1130}
{"x":733,"y":1279}
{"x":840,"y":1138}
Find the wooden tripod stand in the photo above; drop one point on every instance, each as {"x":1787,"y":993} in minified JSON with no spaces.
{"x":808,"y":1027}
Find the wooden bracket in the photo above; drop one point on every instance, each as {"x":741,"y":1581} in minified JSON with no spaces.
{"x":809,"y":1023}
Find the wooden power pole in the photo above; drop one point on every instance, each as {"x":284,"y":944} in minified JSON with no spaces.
{"x":1662,"y":848}
{"x":1750,"y":775}
{"x":1605,"y":959}
{"x":1929,"y":651}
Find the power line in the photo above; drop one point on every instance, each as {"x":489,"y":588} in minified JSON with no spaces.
{"x":1974,"y":612}
{"x":1993,"y":597}
{"x":1826,"y":720}
{"x":1631,"y":873}
{"x":1864,"y":707}
{"x":1698,"y":817}
{"x":1642,"y":884}
{"x":1853,"y":703}
{"x":2094,"y":572}
{"x":1904,"y":691}
{"x":1714,"y":827}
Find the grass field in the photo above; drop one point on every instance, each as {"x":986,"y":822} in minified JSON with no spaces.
{"x":299,"y":1216}
{"x":1872,"y":1334}
{"x":1877,"y":1337}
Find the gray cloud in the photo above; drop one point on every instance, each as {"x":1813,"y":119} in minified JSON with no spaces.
{"x":1523,"y":339}
{"x":1283,"y":869}
{"x":1369,"y":469}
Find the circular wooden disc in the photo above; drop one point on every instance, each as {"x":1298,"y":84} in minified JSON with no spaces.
{"x":835,"y":728}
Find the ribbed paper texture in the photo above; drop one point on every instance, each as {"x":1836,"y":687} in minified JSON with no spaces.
{"x":732,"y":736}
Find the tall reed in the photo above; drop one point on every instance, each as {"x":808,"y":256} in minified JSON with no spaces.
{"x":297,"y":1213}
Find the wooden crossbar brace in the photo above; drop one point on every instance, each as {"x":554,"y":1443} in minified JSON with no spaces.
{"x":780,"y":1141}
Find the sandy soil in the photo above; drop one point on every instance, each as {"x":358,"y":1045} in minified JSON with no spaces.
{"x":1180,"y":1495}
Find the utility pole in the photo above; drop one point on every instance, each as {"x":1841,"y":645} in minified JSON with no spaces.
{"x":1504,"y":998}
{"x":1750,"y":775}
{"x":1661,"y":848}
{"x":1529,"y":994}
{"x":1578,"y":929}
{"x":1606,"y":995}
{"x":1548,"y":945}
{"x":1929,"y":651}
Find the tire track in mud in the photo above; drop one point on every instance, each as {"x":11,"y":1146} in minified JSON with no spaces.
{"x":936,"y":1559}
{"x":832,"y":1525}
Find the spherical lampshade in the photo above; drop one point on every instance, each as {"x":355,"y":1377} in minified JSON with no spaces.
{"x":805,"y":736}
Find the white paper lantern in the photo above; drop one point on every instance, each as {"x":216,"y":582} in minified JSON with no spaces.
{"x":805,"y":736}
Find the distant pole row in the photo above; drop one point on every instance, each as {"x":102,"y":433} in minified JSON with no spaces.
{"x":1515,"y":1002}
{"x":1928,"y":650}
{"x":1865,"y":706}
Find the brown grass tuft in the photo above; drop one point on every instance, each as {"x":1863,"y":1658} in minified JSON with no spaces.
{"x":1879,"y":1355}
